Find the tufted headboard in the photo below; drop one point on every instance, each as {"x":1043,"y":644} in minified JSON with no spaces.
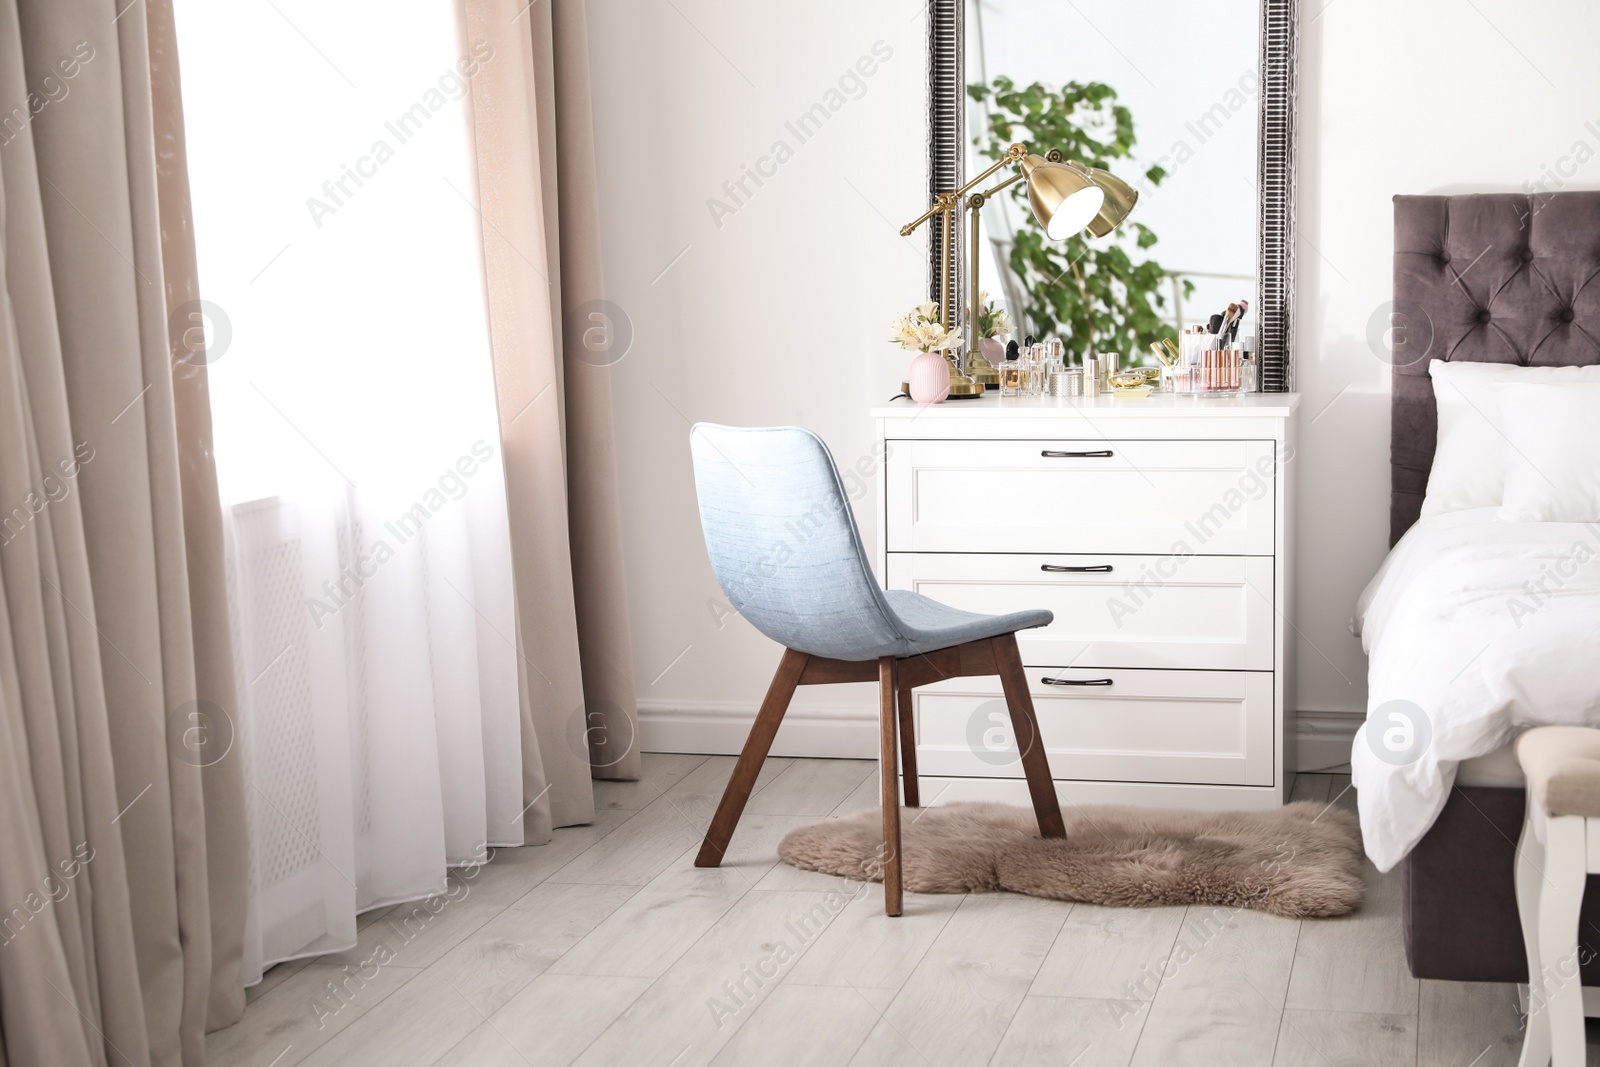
{"x":1491,"y":278}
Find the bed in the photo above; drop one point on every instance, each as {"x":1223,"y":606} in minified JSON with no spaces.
{"x":1492,"y":278}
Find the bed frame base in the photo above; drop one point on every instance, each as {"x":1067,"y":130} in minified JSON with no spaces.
{"x":1460,"y":910}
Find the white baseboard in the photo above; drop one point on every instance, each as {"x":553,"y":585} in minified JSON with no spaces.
{"x":1322,"y":738}
{"x":719,"y":727}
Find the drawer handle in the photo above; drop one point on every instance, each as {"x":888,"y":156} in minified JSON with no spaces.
{"x":1053,"y":568}
{"x":1105,"y":454}
{"x":1076,"y":681}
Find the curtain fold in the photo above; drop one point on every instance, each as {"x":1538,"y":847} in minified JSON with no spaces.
{"x":222,"y":779}
{"x":554,"y":339}
{"x":106,"y":882}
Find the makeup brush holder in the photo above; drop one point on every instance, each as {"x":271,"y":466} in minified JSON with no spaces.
{"x":1204,"y":370}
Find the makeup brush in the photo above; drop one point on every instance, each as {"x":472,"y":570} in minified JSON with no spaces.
{"x":1233,"y":332}
{"x":1229,"y":317}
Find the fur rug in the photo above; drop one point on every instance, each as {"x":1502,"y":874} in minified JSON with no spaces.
{"x":1300,"y":860}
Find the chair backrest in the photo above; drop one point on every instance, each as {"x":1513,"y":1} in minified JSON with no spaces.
{"x":783,"y":542}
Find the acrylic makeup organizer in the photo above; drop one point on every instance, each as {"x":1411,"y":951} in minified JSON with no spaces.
{"x":1202,"y":369}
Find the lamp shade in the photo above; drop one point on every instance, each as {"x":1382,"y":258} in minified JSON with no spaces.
{"x":1064,"y":199}
{"x":1120,"y":198}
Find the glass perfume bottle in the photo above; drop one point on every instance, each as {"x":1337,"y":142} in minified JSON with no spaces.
{"x":1035,"y":371}
{"x":1011,"y":378}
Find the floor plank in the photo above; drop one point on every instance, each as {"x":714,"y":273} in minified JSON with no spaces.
{"x":1311,"y":787}
{"x":1346,"y":1039}
{"x":412,"y":1027}
{"x":865,"y":795}
{"x":1222,"y":991}
{"x":1083,"y":1033}
{"x":302,"y":1013}
{"x":548,"y":1023}
{"x":715,"y":987}
{"x":812,"y":786}
{"x":496,"y":961}
{"x":1109,"y":953}
{"x":700,"y":790}
{"x":865,"y":949}
{"x":802,"y":1026}
{"x":1342,"y":792}
{"x":959,"y":1001}
{"x":1357,"y":962}
{"x":644,"y":845}
{"x":659,"y":923}
{"x":659,"y":771}
{"x":638,"y":850}
{"x":1469,"y":1022}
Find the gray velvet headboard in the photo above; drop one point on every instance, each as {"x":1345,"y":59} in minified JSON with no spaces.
{"x":1490,"y":278}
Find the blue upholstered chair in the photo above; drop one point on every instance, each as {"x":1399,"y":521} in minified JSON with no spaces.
{"x":785,"y":549}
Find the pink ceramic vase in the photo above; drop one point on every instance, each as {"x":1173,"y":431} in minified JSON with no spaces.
{"x":930,"y":378}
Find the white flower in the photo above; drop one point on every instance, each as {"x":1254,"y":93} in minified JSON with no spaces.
{"x":922,"y":331}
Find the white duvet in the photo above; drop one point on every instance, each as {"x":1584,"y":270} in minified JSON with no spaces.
{"x":1475,"y":629}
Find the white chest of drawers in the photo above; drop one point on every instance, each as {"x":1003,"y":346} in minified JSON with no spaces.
{"x":1158,"y":532}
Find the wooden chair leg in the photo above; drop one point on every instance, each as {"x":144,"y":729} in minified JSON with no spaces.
{"x":1025,"y":725}
{"x":908,"y":749}
{"x":756,"y":747}
{"x":891,"y":786}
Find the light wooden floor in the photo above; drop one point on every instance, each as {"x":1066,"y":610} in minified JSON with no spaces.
{"x":607,"y":946}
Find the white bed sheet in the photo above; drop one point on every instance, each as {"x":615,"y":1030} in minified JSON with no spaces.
{"x":1486,"y":626}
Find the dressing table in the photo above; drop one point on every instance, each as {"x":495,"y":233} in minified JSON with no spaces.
{"x":1158,"y":530}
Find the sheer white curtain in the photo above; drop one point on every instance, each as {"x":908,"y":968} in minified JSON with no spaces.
{"x":358,"y":454}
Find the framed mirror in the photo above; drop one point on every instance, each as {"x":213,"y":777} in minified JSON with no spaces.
{"x":1192,"y":105}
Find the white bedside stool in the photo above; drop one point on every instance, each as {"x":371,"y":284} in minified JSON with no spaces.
{"x":1559,"y":849}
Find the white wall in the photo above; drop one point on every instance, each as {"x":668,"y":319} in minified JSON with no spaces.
{"x":777,"y":315}
{"x":1429,"y":96}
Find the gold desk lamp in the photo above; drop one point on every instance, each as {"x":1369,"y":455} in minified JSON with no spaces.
{"x":1066,"y":198}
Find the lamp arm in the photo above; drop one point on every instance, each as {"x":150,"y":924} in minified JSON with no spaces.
{"x":975,"y":204}
{"x":1012,"y":156}
{"x":988,"y":194}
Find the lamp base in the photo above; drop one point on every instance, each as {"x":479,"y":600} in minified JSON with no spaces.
{"x":980,"y":370}
{"x":961,"y":388}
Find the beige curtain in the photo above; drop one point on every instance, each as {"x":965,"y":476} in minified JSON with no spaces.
{"x":541,"y":251}
{"x":119,"y":821}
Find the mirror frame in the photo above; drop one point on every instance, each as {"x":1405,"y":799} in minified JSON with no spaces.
{"x":1275,"y":169}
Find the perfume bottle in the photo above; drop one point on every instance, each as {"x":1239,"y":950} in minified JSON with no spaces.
{"x":1011,"y":378}
{"x":1033,"y":371}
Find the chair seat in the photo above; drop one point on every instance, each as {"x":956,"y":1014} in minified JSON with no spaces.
{"x":928,"y":625}
{"x":1562,"y":764}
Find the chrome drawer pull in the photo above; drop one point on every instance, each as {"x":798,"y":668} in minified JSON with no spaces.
{"x":1076,"y":681}
{"x":1047,"y":454}
{"x":1100,"y":568}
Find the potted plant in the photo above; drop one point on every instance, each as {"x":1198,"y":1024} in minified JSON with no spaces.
{"x":922,"y":332}
{"x":1100,"y":297}
{"x":993,"y":323}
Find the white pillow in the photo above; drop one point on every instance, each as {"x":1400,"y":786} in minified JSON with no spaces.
{"x":1552,"y":451}
{"x":1469,"y":460}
